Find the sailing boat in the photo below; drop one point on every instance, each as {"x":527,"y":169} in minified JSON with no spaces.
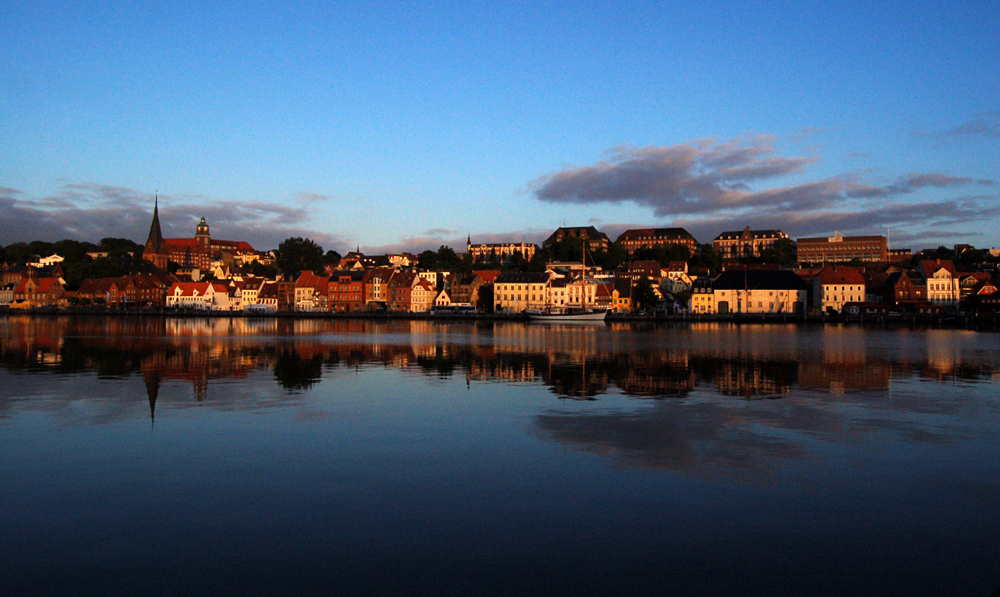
{"x":564,"y":314}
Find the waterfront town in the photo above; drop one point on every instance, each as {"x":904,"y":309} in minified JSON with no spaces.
{"x":643,"y":271}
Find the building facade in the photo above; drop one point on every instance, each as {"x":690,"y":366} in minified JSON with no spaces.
{"x":746,"y":243}
{"x":632,"y":240}
{"x":841,"y":249}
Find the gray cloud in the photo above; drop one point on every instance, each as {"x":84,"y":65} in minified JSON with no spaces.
{"x":985,"y":125}
{"x":91,"y":211}
{"x":708,"y":187}
{"x":690,"y":178}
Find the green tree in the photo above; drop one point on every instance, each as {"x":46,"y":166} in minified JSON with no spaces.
{"x":448,"y":259}
{"x":643,"y":295}
{"x":612,"y":258}
{"x":17,"y":253}
{"x":706,"y":257}
{"x":428,"y":260}
{"x":102,"y":267}
{"x":117,"y":247}
{"x":298,"y":254}
{"x":332,"y":257}
{"x":485,"y":301}
{"x":781,"y":253}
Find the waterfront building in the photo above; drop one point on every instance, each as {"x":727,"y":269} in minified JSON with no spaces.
{"x":836,"y":285}
{"x":514,"y":292}
{"x":942,"y":282}
{"x":759,"y":291}
{"x":206,"y":296}
{"x":347,"y":290}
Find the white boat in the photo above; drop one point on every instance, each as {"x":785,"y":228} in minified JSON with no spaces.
{"x":566,"y":314}
{"x":563,"y":315}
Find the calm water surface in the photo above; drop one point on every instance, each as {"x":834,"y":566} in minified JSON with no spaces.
{"x":190,"y":456}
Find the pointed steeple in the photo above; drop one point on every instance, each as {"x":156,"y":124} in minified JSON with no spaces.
{"x":155,"y":239}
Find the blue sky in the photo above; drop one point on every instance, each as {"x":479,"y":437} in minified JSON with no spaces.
{"x":398,"y":126}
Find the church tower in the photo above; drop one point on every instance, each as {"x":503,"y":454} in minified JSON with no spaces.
{"x":202,"y":236}
{"x":154,"y":250}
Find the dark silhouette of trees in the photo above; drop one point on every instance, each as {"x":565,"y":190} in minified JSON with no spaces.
{"x":298,"y":254}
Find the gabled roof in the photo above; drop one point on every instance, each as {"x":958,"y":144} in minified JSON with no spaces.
{"x":487,"y":275}
{"x":928,"y":267}
{"x":843,"y":274}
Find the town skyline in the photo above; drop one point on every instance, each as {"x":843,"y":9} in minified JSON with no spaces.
{"x":407,"y":127}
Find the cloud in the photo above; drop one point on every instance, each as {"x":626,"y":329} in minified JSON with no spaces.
{"x":92,"y":211}
{"x":314,"y":197}
{"x":986,"y":125}
{"x":709,"y":187}
{"x":698,"y":177}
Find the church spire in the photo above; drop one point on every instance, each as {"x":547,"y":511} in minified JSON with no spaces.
{"x":155,"y":239}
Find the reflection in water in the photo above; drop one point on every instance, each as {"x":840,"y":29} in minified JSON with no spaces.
{"x":487,"y":446}
{"x":577,"y":363}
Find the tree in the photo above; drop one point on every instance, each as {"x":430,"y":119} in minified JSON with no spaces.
{"x":447,"y":258}
{"x":781,"y":253}
{"x":102,"y":267}
{"x":707,"y":257}
{"x":428,"y":260}
{"x":298,"y":254}
{"x":332,"y":257}
{"x":643,"y":295}
{"x":120,"y":246}
{"x":17,"y":253}
{"x":485,"y":301}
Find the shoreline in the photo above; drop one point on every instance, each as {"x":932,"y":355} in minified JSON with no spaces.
{"x":976,"y":322}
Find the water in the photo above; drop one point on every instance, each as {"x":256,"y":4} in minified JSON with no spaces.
{"x":234,"y":457}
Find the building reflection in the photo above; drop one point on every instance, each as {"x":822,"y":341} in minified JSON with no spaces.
{"x":577,"y":363}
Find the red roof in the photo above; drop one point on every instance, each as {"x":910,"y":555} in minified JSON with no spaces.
{"x":842,"y":274}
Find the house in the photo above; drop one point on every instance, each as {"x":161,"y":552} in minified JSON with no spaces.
{"x":621,"y":295}
{"x":7,"y":294}
{"x":400,"y":291}
{"x":376,"y":287}
{"x":984,"y":298}
{"x":702,"y":295}
{"x":905,"y":287}
{"x":250,"y":291}
{"x":443,"y":299}
{"x":311,"y":292}
{"x":465,"y":290}
{"x":942,"y":281}
{"x":205,"y":296}
{"x":33,"y":293}
{"x":677,"y":279}
{"x":347,"y":290}
{"x":604,"y":298}
{"x":514,"y":292}
{"x":422,"y":296}
{"x":268,"y":295}
{"x":836,"y":285}
{"x":759,"y":291}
